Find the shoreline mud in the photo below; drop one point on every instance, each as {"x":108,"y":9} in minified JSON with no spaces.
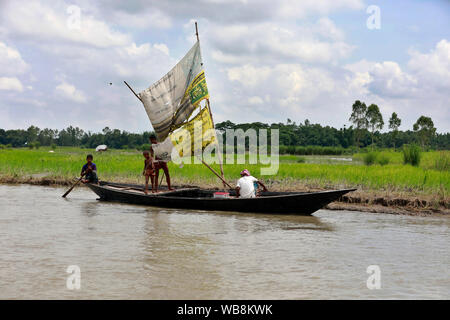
{"x":372,"y":201}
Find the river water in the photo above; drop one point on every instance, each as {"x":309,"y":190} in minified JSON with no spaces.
{"x":137,"y":252}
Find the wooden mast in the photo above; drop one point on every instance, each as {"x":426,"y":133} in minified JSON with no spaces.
{"x":214,"y":127}
{"x":196,"y":30}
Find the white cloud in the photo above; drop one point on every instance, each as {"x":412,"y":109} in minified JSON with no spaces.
{"x":41,"y":22}
{"x":141,"y":20}
{"x":11,"y":62}
{"x":10,"y":84}
{"x":389,"y":80}
{"x":325,"y":94}
{"x":270,"y":42}
{"x":69,"y":91}
{"x":328,"y":29}
{"x":433,"y":67}
{"x":162,"y":47}
{"x":296,"y":9}
{"x":231,"y":11}
{"x":248,"y":75}
{"x":255,"y":100}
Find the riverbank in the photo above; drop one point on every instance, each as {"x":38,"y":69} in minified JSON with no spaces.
{"x":391,"y":188}
{"x":374,"y":201}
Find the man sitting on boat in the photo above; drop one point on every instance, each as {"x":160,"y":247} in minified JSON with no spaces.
{"x":159,"y":164}
{"x":89,"y":170}
{"x":247,"y":185}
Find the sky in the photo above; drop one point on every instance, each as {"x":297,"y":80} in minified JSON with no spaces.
{"x":64,"y":62}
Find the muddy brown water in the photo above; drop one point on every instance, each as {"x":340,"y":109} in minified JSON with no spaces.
{"x":137,"y":252}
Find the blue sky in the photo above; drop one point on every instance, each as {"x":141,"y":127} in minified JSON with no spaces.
{"x":264,"y":60}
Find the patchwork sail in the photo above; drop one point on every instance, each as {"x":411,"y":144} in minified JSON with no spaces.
{"x":170,"y":101}
{"x":169,"y":104}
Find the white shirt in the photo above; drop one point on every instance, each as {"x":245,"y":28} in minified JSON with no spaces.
{"x":247,"y":188}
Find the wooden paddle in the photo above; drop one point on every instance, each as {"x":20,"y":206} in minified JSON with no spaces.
{"x":71,"y":188}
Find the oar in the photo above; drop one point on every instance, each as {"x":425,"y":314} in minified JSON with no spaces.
{"x":218,"y":176}
{"x":71,"y":188}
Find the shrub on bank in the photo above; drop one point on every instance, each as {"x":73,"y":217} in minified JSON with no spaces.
{"x":412,"y":155}
{"x":370,"y":158}
{"x":442,"y":162}
{"x":383,"y":159}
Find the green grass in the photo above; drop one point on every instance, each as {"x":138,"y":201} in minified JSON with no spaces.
{"x":126,"y":165}
{"x":427,"y":161}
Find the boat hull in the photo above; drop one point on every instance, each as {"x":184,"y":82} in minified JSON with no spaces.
{"x":197,"y":199}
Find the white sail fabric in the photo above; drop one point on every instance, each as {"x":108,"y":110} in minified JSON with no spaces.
{"x":170,"y":101}
{"x":163,"y":150}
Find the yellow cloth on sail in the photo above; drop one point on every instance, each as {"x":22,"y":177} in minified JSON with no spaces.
{"x":194,"y":135}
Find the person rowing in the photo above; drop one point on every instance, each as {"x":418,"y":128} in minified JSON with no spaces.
{"x":89,"y":170}
{"x":247,"y":185}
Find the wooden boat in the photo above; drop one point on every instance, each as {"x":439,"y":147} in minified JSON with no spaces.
{"x":170,"y":104}
{"x":299,"y":203}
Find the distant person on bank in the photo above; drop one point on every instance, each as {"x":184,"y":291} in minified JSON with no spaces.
{"x":247,"y":185}
{"x":159,"y":164}
{"x":89,"y":170}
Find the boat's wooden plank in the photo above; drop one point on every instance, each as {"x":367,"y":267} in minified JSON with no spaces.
{"x":141,"y":191}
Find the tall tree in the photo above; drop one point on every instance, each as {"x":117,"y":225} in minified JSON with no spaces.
{"x":424,"y":128}
{"x":32,"y":133}
{"x":394,"y":124}
{"x":375,"y":119}
{"x":358,"y":117}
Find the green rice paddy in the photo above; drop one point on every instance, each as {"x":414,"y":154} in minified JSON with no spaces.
{"x":319,"y":171}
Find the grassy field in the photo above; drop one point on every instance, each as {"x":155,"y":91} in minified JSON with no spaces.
{"x":295,"y":172}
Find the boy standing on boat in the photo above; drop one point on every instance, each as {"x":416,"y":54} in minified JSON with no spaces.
{"x":159,"y":164}
{"x":89,"y":170}
{"x":149,"y":172}
{"x":246,"y":185}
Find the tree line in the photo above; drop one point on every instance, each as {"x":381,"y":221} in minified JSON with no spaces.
{"x":73,"y":136}
{"x":364,"y":131}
